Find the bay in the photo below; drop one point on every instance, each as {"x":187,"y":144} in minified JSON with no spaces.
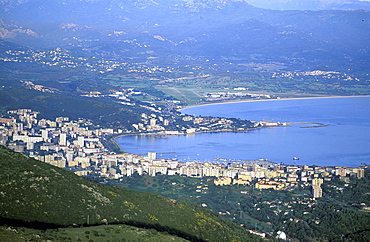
{"x":344,"y":142}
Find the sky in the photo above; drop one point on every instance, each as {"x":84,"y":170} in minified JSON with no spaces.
{"x":307,"y":4}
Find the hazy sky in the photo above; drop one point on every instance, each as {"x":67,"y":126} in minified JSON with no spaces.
{"x":304,"y":4}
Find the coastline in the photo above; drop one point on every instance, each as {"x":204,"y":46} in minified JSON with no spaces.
{"x":113,"y":138}
{"x":265,"y":100}
{"x":113,"y":144}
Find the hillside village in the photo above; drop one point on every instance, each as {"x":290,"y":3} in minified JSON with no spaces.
{"x":81,"y":147}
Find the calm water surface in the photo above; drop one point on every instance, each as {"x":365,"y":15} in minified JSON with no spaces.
{"x":345,"y":141}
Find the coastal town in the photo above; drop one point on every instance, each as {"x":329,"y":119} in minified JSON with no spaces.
{"x":81,"y":147}
{"x":198,"y":120}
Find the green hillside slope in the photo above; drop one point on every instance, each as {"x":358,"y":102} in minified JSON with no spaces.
{"x":36,"y":194}
{"x":106,"y":233}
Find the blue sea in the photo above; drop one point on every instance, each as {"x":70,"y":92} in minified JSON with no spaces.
{"x":345,"y":141}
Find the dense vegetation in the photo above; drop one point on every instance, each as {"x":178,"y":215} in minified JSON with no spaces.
{"x":118,"y":232}
{"x":357,"y":191}
{"x":43,"y":196}
{"x":332,"y":218}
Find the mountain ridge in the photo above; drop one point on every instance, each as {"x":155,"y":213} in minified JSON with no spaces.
{"x":88,"y":23}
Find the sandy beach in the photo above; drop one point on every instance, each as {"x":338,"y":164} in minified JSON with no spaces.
{"x":264,"y":100}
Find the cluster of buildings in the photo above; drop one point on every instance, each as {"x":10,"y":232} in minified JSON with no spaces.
{"x":76,"y":146}
{"x":288,"y":177}
{"x":60,"y":142}
{"x":65,"y":59}
{"x":316,"y":73}
{"x":164,"y":122}
{"x":216,"y":96}
{"x":308,"y":176}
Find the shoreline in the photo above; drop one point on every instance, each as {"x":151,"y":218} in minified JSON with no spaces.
{"x":113,"y":139}
{"x":265,"y":100}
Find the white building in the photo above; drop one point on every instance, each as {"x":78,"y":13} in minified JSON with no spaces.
{"x":63,"y":139}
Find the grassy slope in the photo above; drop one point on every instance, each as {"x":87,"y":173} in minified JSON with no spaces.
{"x":94,"y":233}
{"x":43,"y":195}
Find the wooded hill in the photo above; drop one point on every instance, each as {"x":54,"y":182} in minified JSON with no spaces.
{"x":38,"y":195}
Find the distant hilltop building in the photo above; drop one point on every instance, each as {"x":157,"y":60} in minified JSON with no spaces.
{"x":316,"y":191}
{"x":317,"y":182}
{"x":316,"y":187}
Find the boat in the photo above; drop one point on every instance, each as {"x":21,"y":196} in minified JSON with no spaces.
{"x":295,"y":158}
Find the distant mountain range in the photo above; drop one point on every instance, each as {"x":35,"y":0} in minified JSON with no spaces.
{"x":218,"y":29}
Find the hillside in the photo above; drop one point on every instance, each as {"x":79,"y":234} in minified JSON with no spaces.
{"x":35,"y":194}
{"x":116,"y":232}
{"x":103,"y":112}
